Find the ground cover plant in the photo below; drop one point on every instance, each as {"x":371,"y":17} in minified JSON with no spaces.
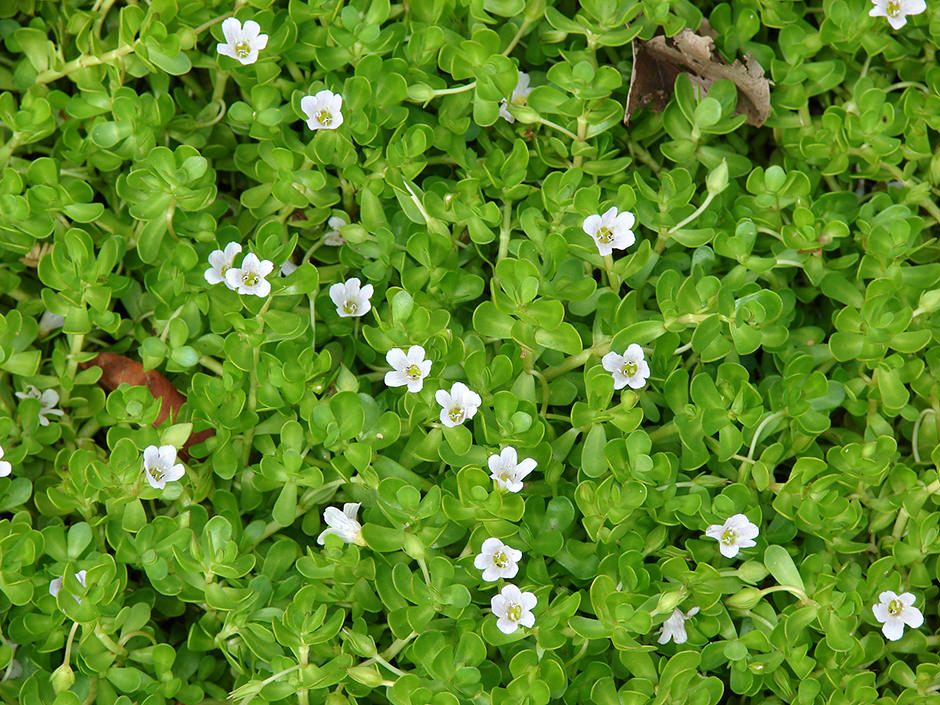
{"x":359,"y":352}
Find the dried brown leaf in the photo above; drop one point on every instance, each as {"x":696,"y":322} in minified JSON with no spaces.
{"x":658,"y":62}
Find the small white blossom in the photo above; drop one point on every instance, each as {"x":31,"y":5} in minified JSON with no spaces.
{"x":160,"y":466}
{"x":332,"y":237}
{"x":49,"y":322}
{"x":458,"y":405}
{"x":894,"y":611}
{"x":408,"y":369}
{"x":47,"y":402}
{"x":343,"y":524}
{"x":610,"y":231}
{"x":897,"y":11}
{"x":5,"y":467}
{"x":287,"y":268}
{"x":628,"y":369}
{"x":250,"y":277}
{"x":220,"y":261}
{"x":674,"y":627}
{"x":497,"y":560}
{"x":323,"y":110}
{"x":56,"y":584}
{"x":506,"y":469}
{"x":520,"y":96}
{"x":736,"y":533}
{"x":351,"y":299}
{"x":512,"y":608}
{"x":242,"y":43}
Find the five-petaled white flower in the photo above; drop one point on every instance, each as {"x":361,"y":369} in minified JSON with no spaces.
{"x":506,"y":469}
{"x":897,"y":11}
{"x":160,"y":466}
{"x":351,"y":298}
{"x":332,"y":237}
{"x":5,"y":467}
{"x":611,"y":231}
{"x":47,"y":401}
{"x":250,"y":277}
{"x":323,"y":110}
{"x":220,"y":261}
{"x":520,"y":96}
{"x":628,"y":369}
{"x":512,"y":608}
{"x":409,"y":369}
{"x":56,"y":584}
{"x":242,"y":43}
{"x":458,"y":405}
{"x":894,"y":611}
{"x":497,"y":560}
{"x":674,"y":627}
{"x":343,"y":524}
{"x":736,"y":533}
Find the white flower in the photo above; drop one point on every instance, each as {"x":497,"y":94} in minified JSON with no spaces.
{"x":351,"y":299}
{"x":627,"y":369}
{"x":220,"y":261}
{"x":56,"y":584}
{"x":897,"y":11}
{"x":513,"y":607}
{"x":49,"y":322}
{"x":343,"y":523}
{"x":160,"y":466}
{"x":5,"y":467}
{"x":894,"y":611}
{"x":323,"y":110}
{"x":47,"y":401}
{"x":332,"y":237}
{"x":458,"y":405}
{"x":497,"y":560}
{"x":410,"y":369}
{"x":520,"y":96}
{"x":250,"y":277}
{"x":287,"y":268}
{"x":242,"y":43}
{"x":736,"y":533}
{"x":507,"y":471}
{"x":610,"y":231}
{"x":674,"y":627}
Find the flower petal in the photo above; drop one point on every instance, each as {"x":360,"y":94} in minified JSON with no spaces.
{"x":893,"y":629}
{"x":231,"y":28}
{"x":591,"y":224}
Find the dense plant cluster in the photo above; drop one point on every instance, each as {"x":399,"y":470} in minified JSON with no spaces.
{"x":454,"y":388}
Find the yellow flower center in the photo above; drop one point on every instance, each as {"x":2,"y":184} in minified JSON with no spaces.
{"x":893,"y":9}
{"x":250,"y":279}
{"x":604,"y":235}
{"x":324,"y":117}
{"x":413,"y":371}
{"x":728,"y":537}
{"x":629,"y":369}
{"x":243,"y":49}
{"x":514,"y":613}
{"x":500,"y":560}
{"x":456,"y":414}
{"x":895,"y":607}
{"x":350,"y":307}
{"x":504,"y":476}
{"x":156,"y":474}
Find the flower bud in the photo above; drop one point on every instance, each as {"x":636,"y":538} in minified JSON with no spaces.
{"x":368,"y":676}
{"x":717,"y":179}
{"x":752,"y":572}
{"x":420,"y":92}
{"x":62,"y":678}
{"x":413,"y":546}
{"x":744,"y":599}
{"x":361,"y":644}
{"x":336,"y":699}
{"x":668,"y":601}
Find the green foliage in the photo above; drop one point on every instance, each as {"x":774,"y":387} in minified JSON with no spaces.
{"x":784,"y":286}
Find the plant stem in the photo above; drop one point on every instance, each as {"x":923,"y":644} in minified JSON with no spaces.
{"x":83,"y":62}
{"x":504,"y":232}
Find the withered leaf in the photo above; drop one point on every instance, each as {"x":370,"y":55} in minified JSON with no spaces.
{"x":117,"y":369}
{"x":657,"y":63}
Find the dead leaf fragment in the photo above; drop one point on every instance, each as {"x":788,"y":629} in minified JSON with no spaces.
{"x":117,"y":370}
{"x":658,"y":62}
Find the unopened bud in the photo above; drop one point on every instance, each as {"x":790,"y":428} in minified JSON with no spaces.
{"x":62,"y":678}
{"x":717,"y":180}
{"x":744,"y":599}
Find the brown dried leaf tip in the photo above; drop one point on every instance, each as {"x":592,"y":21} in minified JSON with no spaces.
{"x":658,"y":62}
{"x":118,"y":369}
